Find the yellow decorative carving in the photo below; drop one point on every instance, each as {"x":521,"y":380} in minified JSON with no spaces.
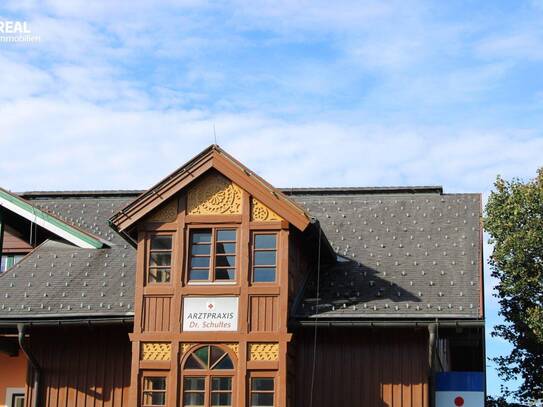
{"x":165,"y":213}
{"x":156,"y":351}
{"x":260,"y":212}
{"x":185,"y":347}
{"x":263,"y":351}
{"x":234,"y":347}
{"x":214,"y":195}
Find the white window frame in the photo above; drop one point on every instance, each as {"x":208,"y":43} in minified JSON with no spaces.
{"x":10,"y":392}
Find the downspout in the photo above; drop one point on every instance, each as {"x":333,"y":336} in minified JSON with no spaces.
{"x":35,"y":366}
{"x":431,"y":364}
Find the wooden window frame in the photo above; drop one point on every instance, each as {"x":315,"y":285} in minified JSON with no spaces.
{"x":212,"y":280}
{"x":262,"y":374}
{"x":252,"y":250}
{"x":208,"y":374}
{"x":148,"y":251}
{"x":153,"y":374}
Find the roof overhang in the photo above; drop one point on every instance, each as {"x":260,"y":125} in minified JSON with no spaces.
{"x":211,"y":158}
{"x":49,"y":222}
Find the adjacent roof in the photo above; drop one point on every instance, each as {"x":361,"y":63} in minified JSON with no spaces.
{"x":47,"y":220}
{"x":410,"y":253}
{"x":404,"y":253}
{"x":58,"y":280}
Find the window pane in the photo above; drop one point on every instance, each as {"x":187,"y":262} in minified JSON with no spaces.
{"x":265,"y":241}
{"x":202,"y":354}
{"x":262,"y":399}
{"x":199,"y":275}
{"x":221,"y":383}
{"x":154,"y":399}
{"x":193,"y":363}
{"x":264,"y":275}
{"x":226,"y":235}
{"x":200,"y":262}
{"x":264,"y":383}
{"x":161,"y":243}
{"x":216,"y":354}
{"x":194,"y":383}
{"x":161,"y":275}
{"x":155,"y":383}
{"x":201,"y":236}
{"x":221,"y":399}
{"x":193,"y":399}
{"x":225,"y":261}
{"x":201,"y":249}
{"x":224,"y":364}
{"x":225,"y":274}
{"x":265,"y":258}
{"x":161,"y":259}
{"x":228,"y":248}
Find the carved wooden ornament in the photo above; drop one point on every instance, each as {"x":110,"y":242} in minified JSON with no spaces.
{"x":264,"y":351}
{"x":156,"y":351}
{"x":214,"y":195}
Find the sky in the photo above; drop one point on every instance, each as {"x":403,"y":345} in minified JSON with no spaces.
{"x":117,"y":94}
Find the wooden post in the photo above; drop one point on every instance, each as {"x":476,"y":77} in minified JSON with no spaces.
{"x":1,"y":231}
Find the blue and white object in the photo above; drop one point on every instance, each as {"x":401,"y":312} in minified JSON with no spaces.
{"x":460,"y":389}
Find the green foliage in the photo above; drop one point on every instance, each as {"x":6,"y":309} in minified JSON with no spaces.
{"x":514,"y":220}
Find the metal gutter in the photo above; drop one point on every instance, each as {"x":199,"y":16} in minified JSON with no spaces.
{"x":23,"y":208}
{"x":21,"y":328}
{"x":68,"y":322}
{"x":394,"y":324}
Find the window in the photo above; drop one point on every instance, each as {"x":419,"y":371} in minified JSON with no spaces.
{"x":212,"y":249}
{"x":160,"y":259}
{"x":264,"y":257}
{"x":208,"y":375}
{"x":154,"y":391}
{"x":262,"y":391}
{"x":9,"y":260}
{"x":15,"y":397}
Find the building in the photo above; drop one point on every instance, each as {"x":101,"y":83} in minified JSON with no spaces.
{"x":214,"y":288}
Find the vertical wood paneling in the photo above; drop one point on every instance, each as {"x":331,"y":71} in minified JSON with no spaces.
{"x":88,"y":367}
{"x":156,"y":314}
{"x":264,"y":315}
{"x":364,"y":367}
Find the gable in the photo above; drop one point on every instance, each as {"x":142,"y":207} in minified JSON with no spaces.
{"x":220,"y":193}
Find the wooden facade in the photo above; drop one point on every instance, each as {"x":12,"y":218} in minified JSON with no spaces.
{"x":223,"y":262}
{"x":81,"y":366}
{"x":360,"y":367}
{"x":258,"y":348}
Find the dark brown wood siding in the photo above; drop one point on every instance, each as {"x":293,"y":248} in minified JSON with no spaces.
{"x":81,"y":366}
{"x":359,"y":367}
{"x":264,"y":314}
{"x":156,"y":313}
{"x":14,"y":242}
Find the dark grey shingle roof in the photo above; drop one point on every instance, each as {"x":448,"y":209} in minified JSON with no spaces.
{"x":405,"y":255}
{"x":58,"y":279}
{"x":411,"y":253}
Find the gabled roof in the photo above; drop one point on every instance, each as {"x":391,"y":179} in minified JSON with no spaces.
{"x":216,"y":158}
{"x":72,"y":234}
{"x":402,"y":254}
{"x":385,"y":239}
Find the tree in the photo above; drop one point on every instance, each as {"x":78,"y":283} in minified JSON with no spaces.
{"x":514,"y":220}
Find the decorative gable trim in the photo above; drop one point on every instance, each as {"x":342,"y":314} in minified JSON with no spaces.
{"x":212,"y":157}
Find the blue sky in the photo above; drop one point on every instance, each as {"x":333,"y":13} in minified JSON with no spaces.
{"x":307,"y":93}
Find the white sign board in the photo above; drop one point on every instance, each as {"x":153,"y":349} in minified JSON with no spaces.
{"x":460,"y":399}
{"x":210,"y":313}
